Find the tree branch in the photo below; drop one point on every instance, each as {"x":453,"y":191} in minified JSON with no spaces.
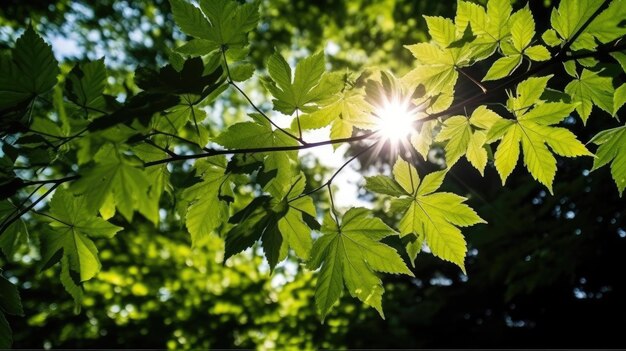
{"x":215,"y":152}
{"x":559,"y":57}
{"x":7,"y":222}
{"x":582,"y":28}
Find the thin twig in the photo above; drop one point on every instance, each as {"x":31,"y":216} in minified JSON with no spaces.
{"x":156,"y":132}
{"x":164,"y":149}
{"x":231,"y":82}
{"x":51,"y":181}
{"x":70,"y":138}
{"x":330,"y":180}
{"x":7,"y":222}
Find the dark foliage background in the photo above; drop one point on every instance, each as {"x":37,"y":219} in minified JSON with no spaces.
{"x":545,"y":271}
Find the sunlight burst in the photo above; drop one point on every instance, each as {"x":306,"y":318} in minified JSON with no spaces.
{"x":396,"y":120}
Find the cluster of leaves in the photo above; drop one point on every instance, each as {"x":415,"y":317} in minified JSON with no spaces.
{"x":114,"y":156}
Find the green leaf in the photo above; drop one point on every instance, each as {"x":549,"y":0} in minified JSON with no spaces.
{"x":294,"y":229}
{"x":16,"y":235}
{"x":534,"y":131}
{"x":406,"y":175}
{"x":278,"y":222}
{"x":421,"y":140}
{"x":476,"y":153}
{"x":591,"y":89}
{"x":85,"y":84}
{"x":527,"y":93}
{"x":432,"y":217}
{"x":508,"y":151}
{"x":191,"y":20}
{"x":10,"y":303}
{"x":570,"y":68}
{"x":503,"y":67}
{"x":609,"y":25}
{"x":436,"y":68}
{"x":246,"y":135}
{"x":198,"y":47}
{"x":548,"y":113}
{"x":31,"y":71}
{"x":569,"y":17}
{"x":250,"y":223}
{"x":384,"y":185}
{"x":490,"y":26}
{"x":195,"y":80}
{"x":522,"y":29}
{"x":74,"y":289}
{"x":350,"y":108}
{"x":498,"y":14}
{"x":307,"y":87}
{"x":537,"y":53}
{"x":612,"y":149}
{"x":551,"y":38}
{"x":216,"y":24}
{"x":484,"y":118}
{"x":255,"y":135}
{"x":6,"y":338}
{"x":73,"y":226}
{"x":350,"y":253}
{"x":467,"y":136}
{"x":620,"y":98}
{"x":230,"y":20}
{"x":456,"y":131}
{"x":208,"y":199}
{"x":115,"y":181}
{"x":441,"y":29}
{"x":620,"y":57}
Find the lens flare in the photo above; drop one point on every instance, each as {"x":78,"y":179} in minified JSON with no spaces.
{"x":395,"y":120}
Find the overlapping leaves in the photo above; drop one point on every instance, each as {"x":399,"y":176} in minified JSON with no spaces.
{"x":279,"y":222}
{"x":467,"y":136}
{"x":349,"y":253}
{"x":533,"y":128}
{"x":612,"y":150}
{"x":31,"y":70}
{"x":431,"y":217}
{"x":73,"y":227}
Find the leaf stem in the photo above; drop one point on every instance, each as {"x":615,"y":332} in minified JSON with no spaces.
{"x":298,"y":120}
{"x":332,"y":205}
{"x":472,"y":79}
{"x":330,"y":180}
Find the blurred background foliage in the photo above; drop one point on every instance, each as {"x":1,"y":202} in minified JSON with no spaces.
{"x":543,"y":273}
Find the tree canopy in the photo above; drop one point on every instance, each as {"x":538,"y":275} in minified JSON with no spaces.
{"x":187,"y":165}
